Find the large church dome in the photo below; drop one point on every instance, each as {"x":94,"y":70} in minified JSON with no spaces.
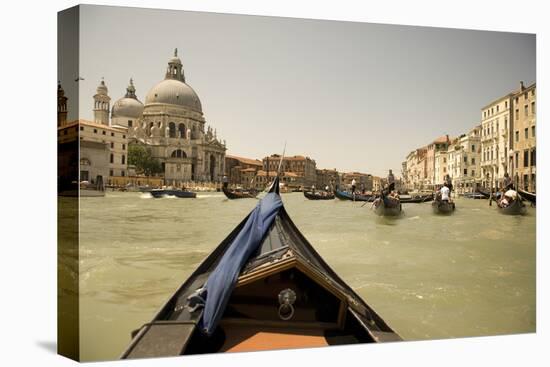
{"x":173,"y":90}
{"x":128,"y":106}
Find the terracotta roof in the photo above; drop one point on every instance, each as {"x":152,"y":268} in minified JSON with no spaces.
{"x":255,"y":162}
{"x":92,"y":124}
{"x":442,"y":139}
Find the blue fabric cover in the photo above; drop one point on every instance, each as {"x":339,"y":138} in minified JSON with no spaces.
{"x":220,"y":283}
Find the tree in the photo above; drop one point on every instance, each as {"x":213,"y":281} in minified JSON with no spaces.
{"x":142,"y":157}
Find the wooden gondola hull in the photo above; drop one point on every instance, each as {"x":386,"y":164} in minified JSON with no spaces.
{"x":394,"y":209}
{"x":232,"y":195}
{"x":317,"y":196}
{"x":443,"y":207}
{"x":528,"y":196}
{"x":417,"y":200}
{"x":285,"y":296}
{"x":342,"y":195}
{"x":515,"y":208}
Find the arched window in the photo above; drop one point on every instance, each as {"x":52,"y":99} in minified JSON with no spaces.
{"x":181,"y":129}
{"x":179,"y":154}
{"x":172,"y":130}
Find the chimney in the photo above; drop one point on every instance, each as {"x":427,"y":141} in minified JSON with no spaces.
{"x":521,"y":86}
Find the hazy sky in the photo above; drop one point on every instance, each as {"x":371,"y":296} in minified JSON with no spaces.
{"x":353,"y":96}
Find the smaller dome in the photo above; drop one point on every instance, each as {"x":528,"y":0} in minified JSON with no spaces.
{"x":102,"y":88}
{"x":127,"y":107}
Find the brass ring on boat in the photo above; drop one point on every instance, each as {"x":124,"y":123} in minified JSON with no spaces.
{"x":289,"y":316}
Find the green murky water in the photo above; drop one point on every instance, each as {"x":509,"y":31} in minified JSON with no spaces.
{"x":428,"y":276}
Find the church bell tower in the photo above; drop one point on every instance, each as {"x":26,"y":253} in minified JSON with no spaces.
{"x":101,"y":104}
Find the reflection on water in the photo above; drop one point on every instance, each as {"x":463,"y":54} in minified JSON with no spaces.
{"x":471,"y":273}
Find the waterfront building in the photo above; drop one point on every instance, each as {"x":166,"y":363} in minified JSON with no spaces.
{"x":377,"y":184}
{"x":439,"y":144}
{"x":404,"y":177}
{"x":304,"y":168}
{"x":523,"y":159}
{"x":240,"y":171}
{"x":327,"y":177}
{"x":362,"y":180}
{"x":173,"y":126}
{"x":440,"y":167}
{"x":496,"y":123}
{"x":289,"y":180}
{"x":464,"y":161}
{"x":417,"y":169}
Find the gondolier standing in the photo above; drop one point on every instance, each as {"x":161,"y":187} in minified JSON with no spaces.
{"x":391,"y":182}
{"x":353,"y":186}
{"x":225,"y":181}
{"x":507,"y":182}
{"x":448,"y":182}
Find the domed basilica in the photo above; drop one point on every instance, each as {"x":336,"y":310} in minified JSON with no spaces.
{"x":171,"y":123}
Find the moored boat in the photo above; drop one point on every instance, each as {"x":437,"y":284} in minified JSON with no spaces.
{"x":388,"y":207}
{"x":263,"y":287}
{"x":343,"y":195}
{"x":516,"y":207}
{"x":234,"y":194}
{"x":318,"y":195}
{"x":159,"y":193}
{"x":417,"y":199}
{"x":443,"y":207}
{"x":529,"y":196}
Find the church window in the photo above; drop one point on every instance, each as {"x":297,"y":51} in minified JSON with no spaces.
{"x":123,"y":146}
{"x":181,"y":129}
{"x":172,"y":130}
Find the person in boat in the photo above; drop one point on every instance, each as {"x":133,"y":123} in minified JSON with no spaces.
{"x":353,"y":183}
{"x":313,"y":189}
{"x":449,"y":182}
{"x":225,"y":181}
{"x":509,"y":196}
{"x":445,"y":193}
{"x":391,"y":181}
{"x":507,"y":183}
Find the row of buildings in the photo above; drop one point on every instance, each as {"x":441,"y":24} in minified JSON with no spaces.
{"x":296,"y":172}
{"x":171,"y":125}
{"x":504,"y":141}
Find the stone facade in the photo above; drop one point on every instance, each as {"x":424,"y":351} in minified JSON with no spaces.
{"x":439,"y":144}
{"x":496,"y":120}
{"x":303,"y":167}
{"x":416,"y":166}
{"x":172,"y":125}
{"x":327,"y":177}
{"x":363,"y":181}
{"x":524,"y":168}
{"x":241,"y":171}
{"x":464,"y":161}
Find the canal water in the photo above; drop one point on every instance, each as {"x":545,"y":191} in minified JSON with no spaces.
{"x":428,"y":276}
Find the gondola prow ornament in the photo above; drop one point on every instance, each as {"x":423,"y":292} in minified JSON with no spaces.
{"x":287,"y":297}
